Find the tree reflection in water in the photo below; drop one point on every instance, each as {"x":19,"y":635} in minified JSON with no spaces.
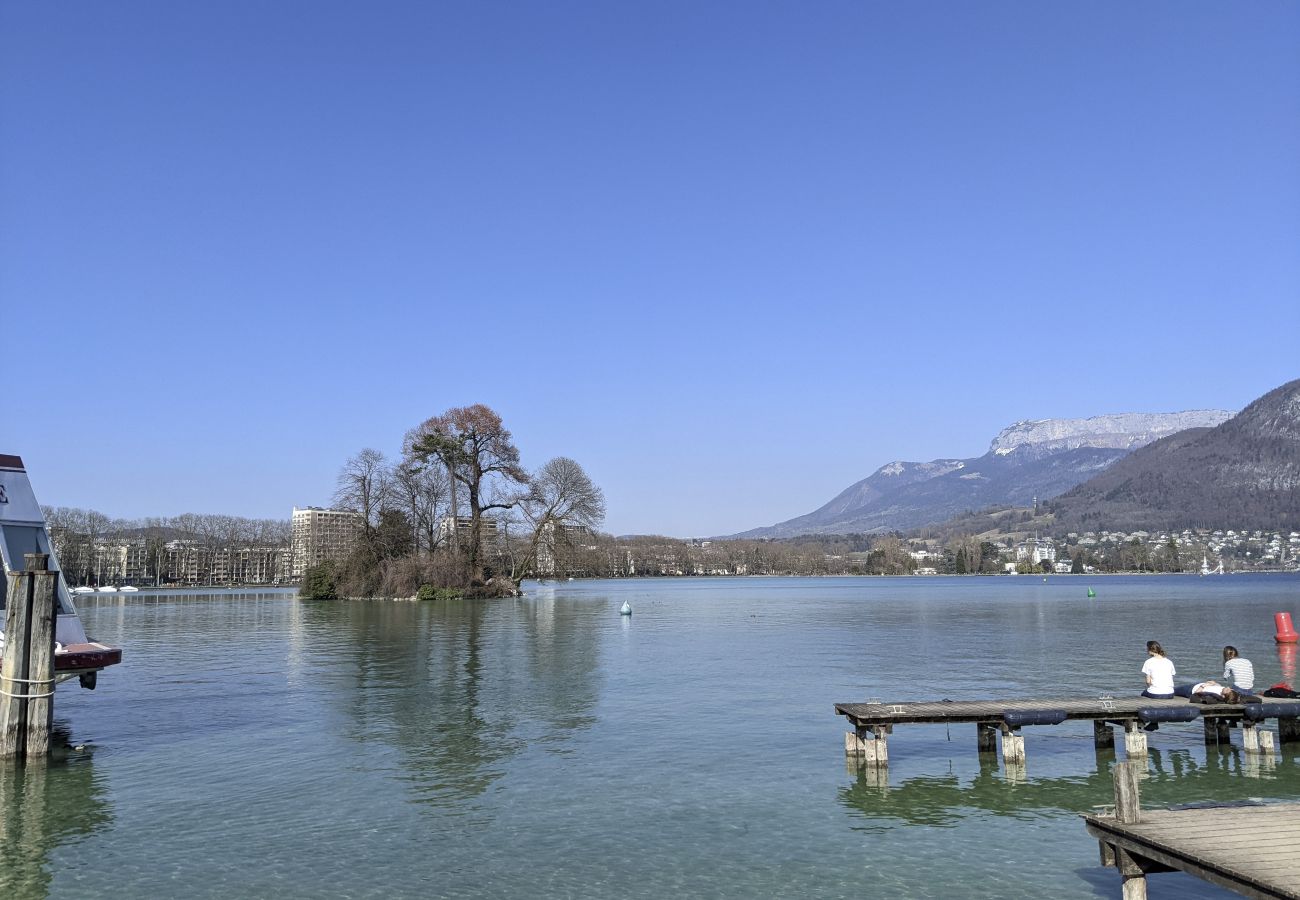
{"x":459,"y":687}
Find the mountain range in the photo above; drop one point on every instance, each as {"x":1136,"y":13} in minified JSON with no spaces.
{"x":1037,"y":459}
{"x":1242,"y":473}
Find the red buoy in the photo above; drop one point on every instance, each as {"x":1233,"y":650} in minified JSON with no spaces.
{"x":1286,"y":633}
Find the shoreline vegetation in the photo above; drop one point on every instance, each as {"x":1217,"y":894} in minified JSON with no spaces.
{"x":456,"y":516}
{"x":454,"y":594}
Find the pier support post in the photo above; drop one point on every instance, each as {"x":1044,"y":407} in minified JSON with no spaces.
{"x":1217,"y":732}
{"x":1288,"y":731}
{"x":877,"y":749}
{"x":1128,"y":811}
{"x":1133,"y":875}
{"x":1128,"y":798}
{"x":1249,"y":737}
{"x":1013,"y":748}
{"x":1135,"y":739}
{"x":1266,"y":742}
{"x":27,"y":672}
{"x":1103,"y":736}
{"x":854,"y":745}
{"x":986,"y":738}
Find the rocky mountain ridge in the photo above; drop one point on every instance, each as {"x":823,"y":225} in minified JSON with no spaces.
{"x":1121,"y":431}
{"x":1245,"y":471}
{"x":1030,"y":459}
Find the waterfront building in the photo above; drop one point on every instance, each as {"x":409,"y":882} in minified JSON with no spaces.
{"x":489,"y":528}
{"x":555,"y":545}
{"x":319,"y":534}
{"x":1036,"y":551}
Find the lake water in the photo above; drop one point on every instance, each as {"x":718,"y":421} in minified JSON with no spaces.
{"x":253,"y":745}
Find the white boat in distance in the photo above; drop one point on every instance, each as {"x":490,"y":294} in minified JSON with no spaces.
{"x":106,"y":589}
{"x":83,"y":590}
{"x":128,"y":589}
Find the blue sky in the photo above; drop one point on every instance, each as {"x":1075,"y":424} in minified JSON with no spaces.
{"x":731,"y":257}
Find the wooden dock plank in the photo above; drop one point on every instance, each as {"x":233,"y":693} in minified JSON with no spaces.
{"x":1249,"y":849}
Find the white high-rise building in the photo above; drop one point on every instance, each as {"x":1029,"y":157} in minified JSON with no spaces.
{"x":321,"y":534}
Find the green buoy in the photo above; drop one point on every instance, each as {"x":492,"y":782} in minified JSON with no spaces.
{"x":1091,"y":592}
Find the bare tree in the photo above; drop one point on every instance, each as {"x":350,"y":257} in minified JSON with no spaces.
{"x":477,"y":451}
{"x":560,"y":495}
{"x":421,"y":492}
{"x":361,"y":487}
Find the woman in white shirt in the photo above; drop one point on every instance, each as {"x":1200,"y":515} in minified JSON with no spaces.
{"x":1159,"y":670}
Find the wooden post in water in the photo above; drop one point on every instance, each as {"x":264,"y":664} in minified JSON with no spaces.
{"x":1013,"y":748}
{"x":27,"y":673}
{"x":13,"y":672}
{"x":986,"y":738}
{"x":40,"y":655}
{"x":1266,"y":742}
{"x":1128,"y":800}
{"x":1135,"y":739}
{"x":1103,"y":736}
{"x":878,"y":748}
{"x":1217,"y":731}
{"x":1128,"y":811}
{"x":1288,"y":730}
{"x":1249,"y":737}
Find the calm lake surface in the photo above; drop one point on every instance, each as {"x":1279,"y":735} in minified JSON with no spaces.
{"x":252,"y":744}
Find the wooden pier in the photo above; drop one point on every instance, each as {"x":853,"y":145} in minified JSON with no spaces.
{"x":1247,"y":849}
{"x":873,"y":721}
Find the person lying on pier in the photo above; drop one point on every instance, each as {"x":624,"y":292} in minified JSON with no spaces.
{"x":1213,"y":692}
{"x":1159,"y":671}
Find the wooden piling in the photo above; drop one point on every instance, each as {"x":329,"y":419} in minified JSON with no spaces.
{"x":1133,"y":875}
{"x":1266,"y":742}
{"x":1103,"y":736}
{"x":1249,"y":737}
{"x":1135,"y":739}
{"x":877,"y":749}
{"x":1288,"y":731}
{"x":986,"y":738}
{"x":13,"y":673}
{"x":27,"y":673}
{"x":1128,"y":799}
{"x":1217,"y":731}
{"x":1013,"y":748}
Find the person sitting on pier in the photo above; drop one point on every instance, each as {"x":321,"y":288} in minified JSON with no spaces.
{"x":1159,"y":670}
{"x":1239,"y":669}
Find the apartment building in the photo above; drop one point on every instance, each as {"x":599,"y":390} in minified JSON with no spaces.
{"x":320,"y":534}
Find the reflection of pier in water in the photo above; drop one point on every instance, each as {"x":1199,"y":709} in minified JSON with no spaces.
{"x":42,"y":806}
{"x":1173,"y":777}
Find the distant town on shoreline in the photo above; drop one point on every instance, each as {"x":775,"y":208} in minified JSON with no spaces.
{"x":458,"y":510}
{"x":197,"y":550}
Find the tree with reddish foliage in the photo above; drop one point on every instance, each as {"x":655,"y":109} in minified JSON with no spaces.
{"x":478,"y":453}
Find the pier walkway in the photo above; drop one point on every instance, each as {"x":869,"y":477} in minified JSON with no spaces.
{"x":1247,"y":849}
{"x":873,"y":721}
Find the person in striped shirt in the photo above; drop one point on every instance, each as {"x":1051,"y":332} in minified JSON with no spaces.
{"x":1239,"y":669}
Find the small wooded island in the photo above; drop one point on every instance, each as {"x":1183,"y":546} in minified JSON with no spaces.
{"x":456,"y":516}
